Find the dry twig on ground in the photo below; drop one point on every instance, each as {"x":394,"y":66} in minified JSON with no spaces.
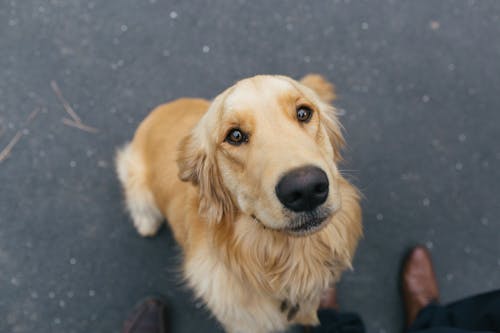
{"x":7,"y":150}
{"x":32,"y":115}
{"x":64,"y":102}
{"x":75,"y":120}
{"x":79,"y":125}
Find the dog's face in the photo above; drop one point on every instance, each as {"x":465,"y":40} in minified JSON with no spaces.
{"x":266,"y":148}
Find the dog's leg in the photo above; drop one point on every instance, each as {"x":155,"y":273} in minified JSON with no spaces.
{"x":139,"y":199}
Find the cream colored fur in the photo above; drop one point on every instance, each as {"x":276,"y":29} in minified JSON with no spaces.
{"x":146,"y":216}
{"x":219,"y":199}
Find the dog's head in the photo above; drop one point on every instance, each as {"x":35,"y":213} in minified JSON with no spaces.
{"x":267,"y":148}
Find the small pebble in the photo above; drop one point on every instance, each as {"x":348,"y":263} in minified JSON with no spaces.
{"x":434,"y":25}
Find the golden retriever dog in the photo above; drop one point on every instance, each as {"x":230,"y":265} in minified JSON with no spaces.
{"x":250,"y":186}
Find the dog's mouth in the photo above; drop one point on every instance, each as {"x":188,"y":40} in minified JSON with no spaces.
{"x":308,"y":223}
{"x":304,"y":224}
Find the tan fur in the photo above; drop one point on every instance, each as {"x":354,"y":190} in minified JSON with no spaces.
{"x":220,"y":202}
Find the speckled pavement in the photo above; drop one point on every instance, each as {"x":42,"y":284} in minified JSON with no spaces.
{"x":419,"y":90}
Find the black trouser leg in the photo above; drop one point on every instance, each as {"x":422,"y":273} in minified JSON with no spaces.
{"x":338,"y":322}
{"x":477,"y":313}
{"x":480,"y":313}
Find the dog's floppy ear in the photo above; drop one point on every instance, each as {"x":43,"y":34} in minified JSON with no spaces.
{"x":324,"y":89}
{"x":326,"y":92}
{"x":197,"y":164}
{"x":333,"y":129}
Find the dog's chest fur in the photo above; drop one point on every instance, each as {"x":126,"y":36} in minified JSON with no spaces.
{"x":262,"y":278}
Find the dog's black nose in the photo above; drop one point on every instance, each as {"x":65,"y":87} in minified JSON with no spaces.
{"x":303,"y":189}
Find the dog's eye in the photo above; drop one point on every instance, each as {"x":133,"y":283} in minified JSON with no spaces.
{"x":236,"y":137}
{"x":304,"y":113}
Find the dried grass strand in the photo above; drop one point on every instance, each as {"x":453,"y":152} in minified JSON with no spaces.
{"x":79,"y":125}
{"x":64,"y":102}
{"x":75,"y":120}
{"x":7,"y":150}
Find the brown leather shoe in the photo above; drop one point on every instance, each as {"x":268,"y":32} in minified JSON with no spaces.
{"x":329,"y":299}
{"x":150,"y":316}
{"x":418,"y":282}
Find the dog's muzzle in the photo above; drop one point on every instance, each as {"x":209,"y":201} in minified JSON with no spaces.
{"x":309,"y":222}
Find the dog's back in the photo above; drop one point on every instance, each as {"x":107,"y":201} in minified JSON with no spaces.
{"x":148,"y":170}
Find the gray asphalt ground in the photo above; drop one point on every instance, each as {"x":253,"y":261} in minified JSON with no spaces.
{"x":419,"y":87}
